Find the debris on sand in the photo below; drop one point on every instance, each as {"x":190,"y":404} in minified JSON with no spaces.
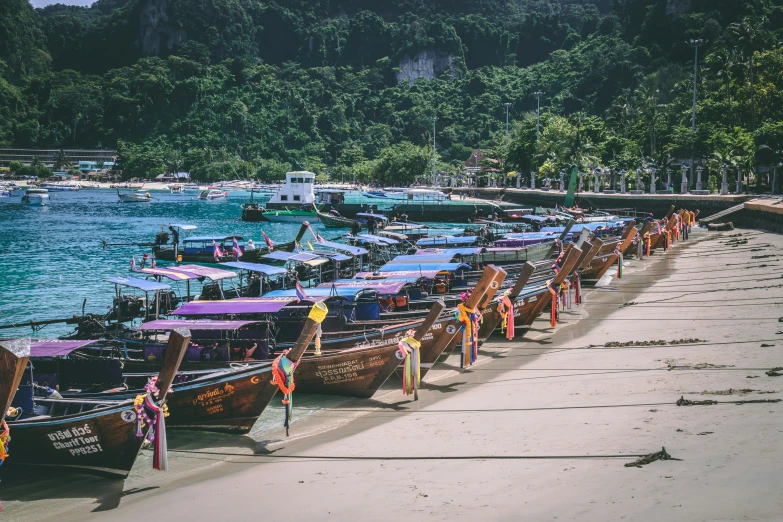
{"x":775,"y":372}
{"x":700,"y":366}
{"x":685,"y":402}
{"x":764,"y":345}
{"x":617,"y":344}
{"x":730,"y":391}
{"x":705,"y":433}
{"x":764,"y":256}
{"x":652,"y":457}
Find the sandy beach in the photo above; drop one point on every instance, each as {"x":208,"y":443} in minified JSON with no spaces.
{"x":540,"y":429}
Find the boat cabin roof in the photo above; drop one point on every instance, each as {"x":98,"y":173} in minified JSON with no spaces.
{"x":140,"y":284}
{"x":161,"y":325}
{"x":440,"y":257}
{"x":386,"y":240}
{"x":268,"y":270}
{"x":243,"y":305}
{"x":465,"y":251}
{"x":166,"y":272}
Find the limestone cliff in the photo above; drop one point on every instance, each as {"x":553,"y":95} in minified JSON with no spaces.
{"x":427,"y":64}
{"x":157,"y":35}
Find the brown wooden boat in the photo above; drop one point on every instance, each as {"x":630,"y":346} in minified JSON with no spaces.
{"x":94,"y":436}
{"x":542,"y":296}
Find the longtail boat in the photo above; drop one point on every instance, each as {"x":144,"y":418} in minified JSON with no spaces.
{"x":89,"y":435}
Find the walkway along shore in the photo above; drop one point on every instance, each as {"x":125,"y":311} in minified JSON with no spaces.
{"x":540,"y":429}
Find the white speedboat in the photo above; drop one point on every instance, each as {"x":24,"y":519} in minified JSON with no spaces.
{"x":212,"y":195}
{"x":61,"y":186}
{"x":140,"y":196}
{"x":177,"y":189}
{"x":406,"y":194}
{"x":90,"y":185}
{"x":191,"y":186}
{"x":37,"y":197}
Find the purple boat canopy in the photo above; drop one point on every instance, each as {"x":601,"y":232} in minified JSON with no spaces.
{"x":382,"y":286}
{"x":399,"y":274}
{"x":243,"y":305}
{"x":55,"y":347}
{"x":204,"y":271}
{"x":196,"y":326}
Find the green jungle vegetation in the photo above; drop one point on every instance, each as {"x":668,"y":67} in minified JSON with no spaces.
{"x":253,"y":88}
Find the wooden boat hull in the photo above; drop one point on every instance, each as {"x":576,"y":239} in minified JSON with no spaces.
{"x":231,"y":402}
{"x":100,"y":441}
{"x":334,"y":221}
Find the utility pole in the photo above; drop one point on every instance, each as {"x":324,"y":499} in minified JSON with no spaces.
{"x":538,"y":95}
{"x":695,"y":44}
{"x":434,"y":119}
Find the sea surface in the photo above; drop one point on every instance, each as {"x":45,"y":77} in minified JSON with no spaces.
{"x":52,"y":259}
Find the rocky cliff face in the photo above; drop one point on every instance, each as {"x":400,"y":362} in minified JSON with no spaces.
{"x":427,"y":64}
{"x":677,"y":8}
{"x":157,"y":34}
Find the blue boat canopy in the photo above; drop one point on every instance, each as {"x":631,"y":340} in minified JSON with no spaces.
{"x":384,"y":240}
{"x":465,"y":251}
{"x":423,"y":267}
{"x":353,"y":250}
{"x":256,"y":267}
{"x":540,"y":219}
{"x":347,"y":292}
{"x":140,"y":284}
{"x":208,"y":239}
{"x":447,"y":240}
{"x":424,"y":258}
{"x":337,"y":256}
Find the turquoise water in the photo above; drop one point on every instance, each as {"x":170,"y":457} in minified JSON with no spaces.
{"x":51,"y":258}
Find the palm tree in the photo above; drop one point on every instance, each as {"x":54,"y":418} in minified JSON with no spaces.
{"x":749,"y":32}
{"x":721,"y":62}
{"x":648,"y":102}
{"x":622,"y":112}
{"x":61,"y":159}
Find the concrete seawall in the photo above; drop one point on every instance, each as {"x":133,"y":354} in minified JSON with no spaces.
{"x":655,"y":203}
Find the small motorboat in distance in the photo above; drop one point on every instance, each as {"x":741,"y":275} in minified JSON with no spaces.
{"x":212,"y":195}
{"x":134,"y":197}
{"x":177,"y":189}
{"x":36,"y":197}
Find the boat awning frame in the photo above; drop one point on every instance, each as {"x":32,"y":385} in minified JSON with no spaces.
{"x":139,"y":284}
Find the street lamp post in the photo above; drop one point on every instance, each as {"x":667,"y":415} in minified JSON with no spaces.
{"x":668,"y":179}
{"x":434,"y":155}
{"x":739,"y":180}
{"x":623,"y":172}
{"x":695,"y":44}
{"x":562,"y":176}
{"x":684,"y":184}
{"x":538,"y":95}
{"x":724,"y":186}
{"x":596,"y":185}
{"x":532,"y":179}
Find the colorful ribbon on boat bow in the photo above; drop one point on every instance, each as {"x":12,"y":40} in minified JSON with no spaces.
{"x":148,"y":412}
{"x":619,"y":263}
{"x":553,"y":311}
{"x":469,"y":318}
{"x":410,"y":349}
{"x":5,"y":436}
{"x":283,"y":375}
{"x":506,"y":309}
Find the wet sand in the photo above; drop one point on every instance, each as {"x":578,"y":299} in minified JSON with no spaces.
{"x":540,"y":429}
